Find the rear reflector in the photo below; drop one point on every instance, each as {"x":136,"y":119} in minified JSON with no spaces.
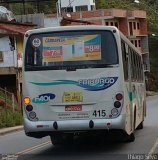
{"x":114,"y":111}
{"x":32,"y":115}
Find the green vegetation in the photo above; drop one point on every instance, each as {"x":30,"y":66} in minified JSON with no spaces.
{"x":46,"y":7}
{"x":8,"y":118}
{"x":151,"y":93}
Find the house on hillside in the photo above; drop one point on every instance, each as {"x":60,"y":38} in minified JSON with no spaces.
{"x":76,"y":6}
{"x":133,"y":24}
{"x":11,"y":49}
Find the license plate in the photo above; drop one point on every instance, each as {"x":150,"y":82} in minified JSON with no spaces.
{"x":72,"y":97}
{"x":73,"y":108}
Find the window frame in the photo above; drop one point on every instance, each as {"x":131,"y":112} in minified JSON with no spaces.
{"x":57,"y":33}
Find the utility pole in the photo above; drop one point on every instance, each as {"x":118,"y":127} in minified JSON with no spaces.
{"x":23,"y":2}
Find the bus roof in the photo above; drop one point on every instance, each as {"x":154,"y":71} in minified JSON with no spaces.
{"x":68,"y":28}
{"x":83,"y":27}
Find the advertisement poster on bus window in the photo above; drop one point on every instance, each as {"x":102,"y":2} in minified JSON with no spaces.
{"x":71,"y":48}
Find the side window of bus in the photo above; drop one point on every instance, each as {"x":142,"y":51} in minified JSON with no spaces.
{"x":140,"y":69}
{"x":136,"y":66}
{"x":132,"y":63}
{"x":125,"y":59}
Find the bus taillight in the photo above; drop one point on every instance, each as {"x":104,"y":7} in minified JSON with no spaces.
{"x":29,"y":108}
{"x":26,"y":100}
{"x":117,"y":104}
{"x":119,"y":96}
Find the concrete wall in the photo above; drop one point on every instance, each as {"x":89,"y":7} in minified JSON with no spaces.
{"x":9,"y":59}
{"x":51,"y":21}
{"x":37,"y":19}
{"x":19,"y":48}
{"x":132,"y":24}
{"x":9,"y":55}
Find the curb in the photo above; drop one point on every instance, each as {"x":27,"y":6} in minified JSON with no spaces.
{"x":10,"y":130}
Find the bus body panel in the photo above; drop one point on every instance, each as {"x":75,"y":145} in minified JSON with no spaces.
{"x":71,"y":100}
{"x":68,"y":126}
{"x":91,"y":98}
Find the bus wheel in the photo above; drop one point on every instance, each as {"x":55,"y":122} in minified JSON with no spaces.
{"x":130,"y":138}
{"x":140,"y":126}
{"x":56,"y":139}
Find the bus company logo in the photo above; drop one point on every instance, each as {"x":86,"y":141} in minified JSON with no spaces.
{"x":97,"y":84}
{"x":43,"y":98}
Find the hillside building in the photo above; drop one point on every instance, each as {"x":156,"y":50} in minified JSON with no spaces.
{"x":133,"y":24}
{"x":11,"y":49}
{"x":76,"y":5}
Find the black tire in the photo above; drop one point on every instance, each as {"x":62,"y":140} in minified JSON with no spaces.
{"x":56,"y":139}
{"x":130,"y":138}
{"x":140,"y":126}
{"x":61,"y":139}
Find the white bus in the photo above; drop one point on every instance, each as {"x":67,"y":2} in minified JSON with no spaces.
{"x":81,"y":79}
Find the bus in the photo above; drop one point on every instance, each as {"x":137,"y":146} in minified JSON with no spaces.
{"x":82,"y":79}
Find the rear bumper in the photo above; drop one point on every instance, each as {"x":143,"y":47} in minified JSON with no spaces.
{"x":74,"y":125}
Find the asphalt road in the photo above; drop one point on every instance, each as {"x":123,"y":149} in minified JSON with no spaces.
{"x":41,"y":149}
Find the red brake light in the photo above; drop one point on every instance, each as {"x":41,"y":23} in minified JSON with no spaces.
{"x":119,"y":96}
{"x":29,"y":108}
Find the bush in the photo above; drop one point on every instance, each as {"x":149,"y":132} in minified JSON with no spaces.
{"x":152,"y":82}
{"x":8,"y":118}
{"x":18,"y":118}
